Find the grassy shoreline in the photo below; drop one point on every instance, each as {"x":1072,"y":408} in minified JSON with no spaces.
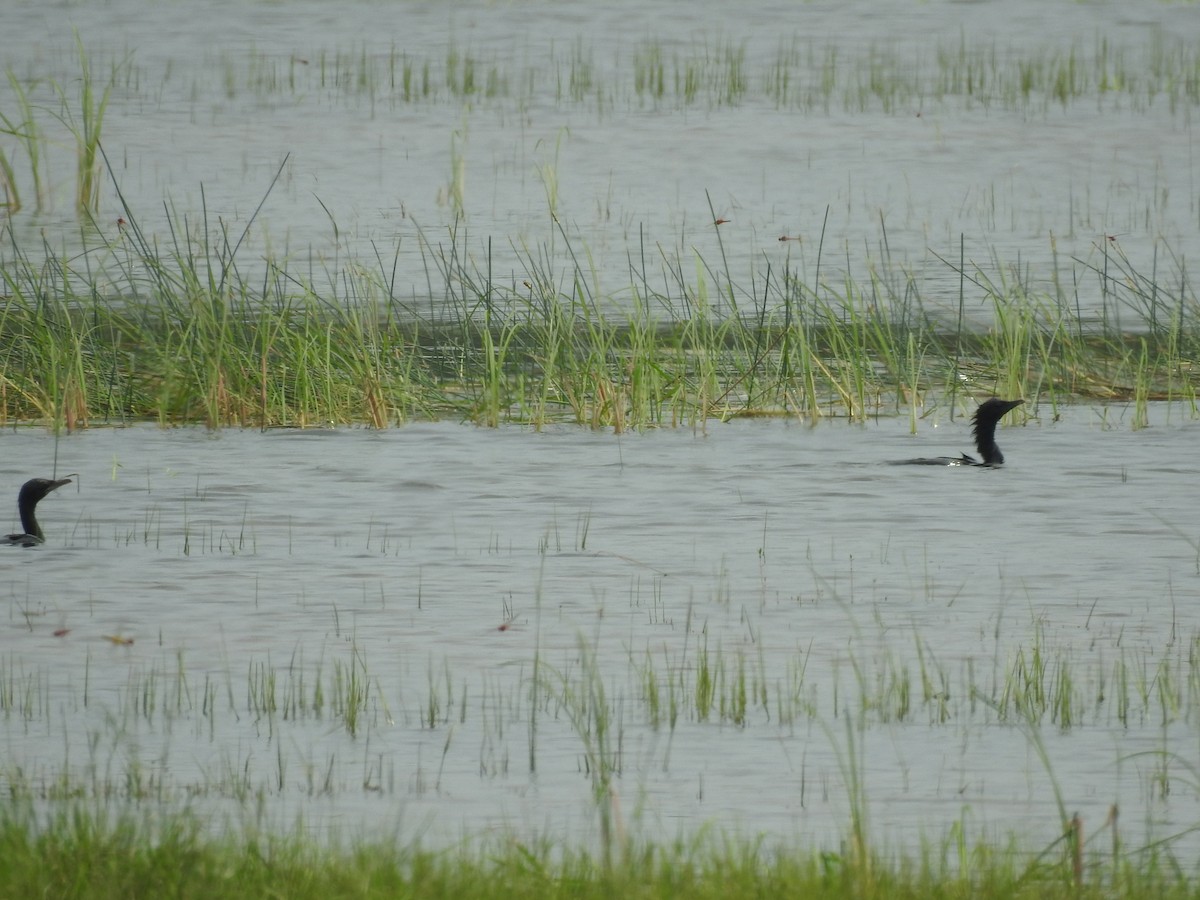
{"x":125,"y":332}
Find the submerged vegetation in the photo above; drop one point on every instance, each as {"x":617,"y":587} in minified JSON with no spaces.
{"x":119,"y":822}
{"x":796,"y":71}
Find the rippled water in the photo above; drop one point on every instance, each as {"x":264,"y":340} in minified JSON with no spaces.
{"x":207,"y":605}
{"x":428,"y":567}
{"x":213,"y":97}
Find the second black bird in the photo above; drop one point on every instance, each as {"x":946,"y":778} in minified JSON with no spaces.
{"x":31,"y":494}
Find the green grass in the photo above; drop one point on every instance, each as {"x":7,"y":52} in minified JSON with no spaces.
{"x":1035,"y":682}
{"x":712,"y":71}
{"x":109,"y":817}
{"x":185,"y":334}
{"x":81,"y":853}
{"x":129,"y":332}
{"x":178,"y":329}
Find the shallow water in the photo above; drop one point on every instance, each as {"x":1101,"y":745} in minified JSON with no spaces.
{"x":429,"y":567}
{"x":265,"y":578}
{"x":216,"y":96}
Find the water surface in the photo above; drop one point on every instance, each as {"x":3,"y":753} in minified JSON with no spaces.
{"x":428,"y":568}
{"x":376,"y":630}
{"x":902,"y":165}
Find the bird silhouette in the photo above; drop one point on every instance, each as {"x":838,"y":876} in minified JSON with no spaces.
{"x":990,"y":412}
{"x":31,"y":494}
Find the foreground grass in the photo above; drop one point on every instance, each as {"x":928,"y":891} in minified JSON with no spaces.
{"x":86,"y":855}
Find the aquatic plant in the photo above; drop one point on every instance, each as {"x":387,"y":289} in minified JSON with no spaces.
{"x":179,"y":337}
{"x":85,"y":124}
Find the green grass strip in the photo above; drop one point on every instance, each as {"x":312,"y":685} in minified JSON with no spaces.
{"x":78,"y":854}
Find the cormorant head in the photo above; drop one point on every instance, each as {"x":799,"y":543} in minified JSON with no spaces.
{"x":35,"y":489}
{"x":31,"y":494}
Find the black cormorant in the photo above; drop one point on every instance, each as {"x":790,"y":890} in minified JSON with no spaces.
{"x":31,"y":494}
{"x":990,"y":412}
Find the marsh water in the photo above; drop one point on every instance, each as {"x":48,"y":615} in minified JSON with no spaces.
{"x":441,"y":630}
{"x":199,"y":593}
{"x":550,"y":141}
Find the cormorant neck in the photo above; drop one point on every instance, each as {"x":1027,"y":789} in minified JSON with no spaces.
{"x":987,"y":417}
{"x":29,"y":522}
{"x":991,"y":454}
{"x":31,"y":494}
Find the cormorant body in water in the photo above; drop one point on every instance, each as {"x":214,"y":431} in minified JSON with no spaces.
{"x":990,"y":412}
{"x":31,"y":494}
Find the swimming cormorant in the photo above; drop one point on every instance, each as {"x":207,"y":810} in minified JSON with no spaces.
{"x":31,"y":494}
{"x":990,"y":412}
